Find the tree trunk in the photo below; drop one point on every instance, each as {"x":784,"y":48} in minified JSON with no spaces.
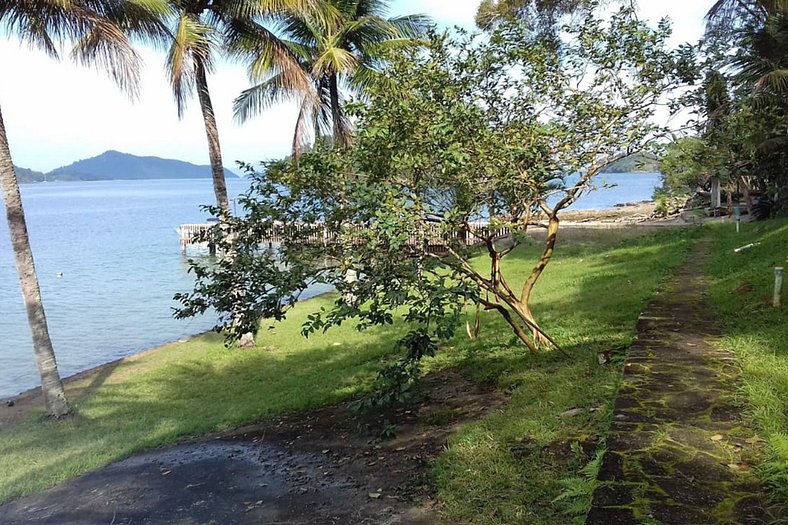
{"x":212,"y":131}
{"x":516,"y":328}
{"x":217,"y":167}
{"x":51,"y":385}
{"x":525,"y":298}
{"x":340,"y":137}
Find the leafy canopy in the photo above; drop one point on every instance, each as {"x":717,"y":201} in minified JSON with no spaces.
{"x":481,"y":140}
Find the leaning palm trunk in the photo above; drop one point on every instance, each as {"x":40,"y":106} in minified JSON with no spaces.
{"x":340,"y":134}
{"x":217,"y":167}
{"x":51,"y":385}
{"x":212,"y":131}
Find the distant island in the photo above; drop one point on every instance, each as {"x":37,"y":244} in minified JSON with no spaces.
{"x":633,"y":164}
{"x":114,"y":165}
{"x":25,"y":175}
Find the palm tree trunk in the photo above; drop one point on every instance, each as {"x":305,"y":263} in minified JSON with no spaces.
{"x":51,"y":385}
{"x":215,"y":152}
{"x":212,"y":131}
{"x":340,"y":137}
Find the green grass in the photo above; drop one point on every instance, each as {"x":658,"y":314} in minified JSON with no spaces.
{"x":509,"y":467}
{"x":742,"y":286}
{"x":190,"y":389}
{"x":528,"y":464}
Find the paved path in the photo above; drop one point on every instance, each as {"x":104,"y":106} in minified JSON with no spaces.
{"x":678,"y":451}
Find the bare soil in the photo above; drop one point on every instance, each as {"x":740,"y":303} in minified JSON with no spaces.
{"x":323,"y":466}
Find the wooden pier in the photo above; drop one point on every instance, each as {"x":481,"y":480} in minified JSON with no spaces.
{"x":190,"y":234}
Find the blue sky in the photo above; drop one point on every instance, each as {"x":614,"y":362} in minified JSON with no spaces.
{"x":56,"y":112}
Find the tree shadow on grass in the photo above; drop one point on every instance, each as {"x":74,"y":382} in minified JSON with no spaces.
{"x":211,"y":388}
{"x":187,"y":397}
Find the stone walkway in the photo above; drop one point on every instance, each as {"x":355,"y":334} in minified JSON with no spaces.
{"x":678,"y":451}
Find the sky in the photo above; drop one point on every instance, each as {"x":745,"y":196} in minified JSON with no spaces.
{"x":56,"y":113}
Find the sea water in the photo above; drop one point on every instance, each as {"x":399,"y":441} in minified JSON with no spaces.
{"x":109,"y":262}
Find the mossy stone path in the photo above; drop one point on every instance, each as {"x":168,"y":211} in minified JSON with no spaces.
{"x":678,"y":450}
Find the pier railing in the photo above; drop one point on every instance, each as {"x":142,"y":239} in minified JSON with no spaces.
{"x":436,"y":239}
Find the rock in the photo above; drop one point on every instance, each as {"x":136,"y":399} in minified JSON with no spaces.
{"x":247,"y":340}
{"x":573,"y":412}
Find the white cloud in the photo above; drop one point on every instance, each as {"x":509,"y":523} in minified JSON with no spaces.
{"x":56,"y":113}
{"x":686,"y":17}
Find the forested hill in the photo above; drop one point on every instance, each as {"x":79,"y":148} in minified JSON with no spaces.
{"x":26,"y":175}
{"x":634,"y":163}
{"x":113,"y":165}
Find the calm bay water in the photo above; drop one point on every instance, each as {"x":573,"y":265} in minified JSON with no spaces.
{"x":117,"y":249}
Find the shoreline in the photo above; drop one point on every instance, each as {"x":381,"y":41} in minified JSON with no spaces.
{"x":629,"y":215}
{"x":15,"y":407}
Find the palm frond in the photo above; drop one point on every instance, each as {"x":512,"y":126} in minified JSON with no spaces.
{"x":277,"y":89}
{"x":358,"y":35}
{"x":725,"y":14}
{"x":334,"y":60}
{"x":302,"y":137}
{"x":99,"y":31}
{"x":362,"y":8}
{"x":412,"y":26}
{"x":106,"y":47}
{"x":344,"y":40}
{"x":775,"y":81}
{"x":191,"y":41}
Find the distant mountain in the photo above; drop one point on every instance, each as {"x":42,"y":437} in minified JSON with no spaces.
{"x":634,"y":163}
{"x":25,"y":175}
{"x":114,"y":165}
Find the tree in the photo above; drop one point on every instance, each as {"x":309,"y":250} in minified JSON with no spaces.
{"x":339,"y":50}
{"x":753,"y":131}
{"x":545,"y":13}
{"x":480,"y":141}
{"x":728,"y":15}
{"x":202,"y":29}
{"x":98,"y":31}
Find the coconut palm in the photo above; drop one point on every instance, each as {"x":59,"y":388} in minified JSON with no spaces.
{"x":202,"y":30}
{"x":337,"y":50}
{"x":99,"y":31}
{"x":728,"y":14}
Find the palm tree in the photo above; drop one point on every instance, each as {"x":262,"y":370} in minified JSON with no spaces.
{"x":204,"y":28}
{"x":332,"y":51}
{"x":727,"y":14}
{"x":98,"y":30}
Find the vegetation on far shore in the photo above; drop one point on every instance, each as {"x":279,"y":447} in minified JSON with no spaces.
{"x":198,"y":387}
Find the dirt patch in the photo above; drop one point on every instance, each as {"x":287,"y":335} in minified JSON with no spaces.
{"x":323,"y":466}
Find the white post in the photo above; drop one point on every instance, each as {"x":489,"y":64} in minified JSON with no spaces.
{"x":778,"y":285}
{"x":716,"y":197}
{"x":351,"y":278}
{"x":737,"y":214}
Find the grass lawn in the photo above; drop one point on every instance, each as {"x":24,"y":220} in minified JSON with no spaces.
{"x":742,"y":286}
{"x":528,"y":463}
{"x":523,"y":464}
